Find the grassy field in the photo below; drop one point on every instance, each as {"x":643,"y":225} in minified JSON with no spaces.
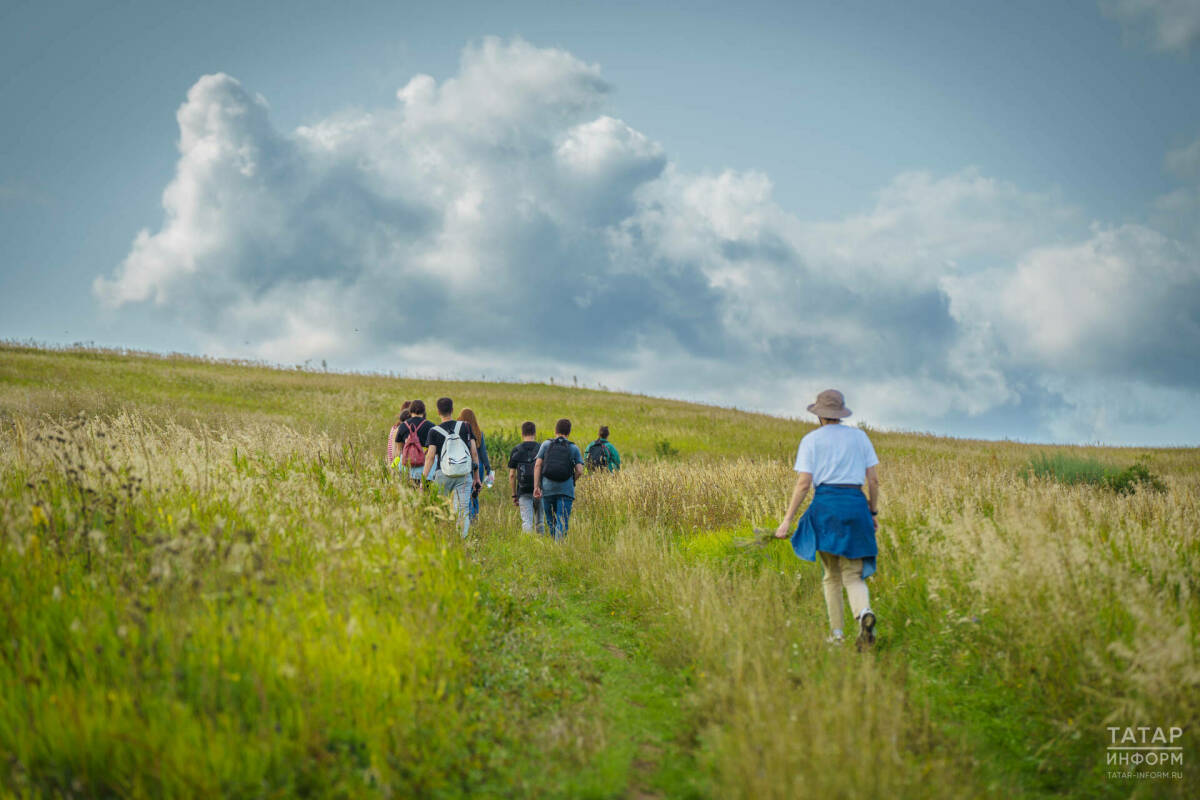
{"x":210,"y":586}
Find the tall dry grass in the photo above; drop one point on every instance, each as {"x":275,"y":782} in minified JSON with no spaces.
{"x":211,"y":587}
{"x":1076,"y":605}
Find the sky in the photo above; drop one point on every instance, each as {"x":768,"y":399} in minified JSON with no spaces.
{"x":975,"y":219}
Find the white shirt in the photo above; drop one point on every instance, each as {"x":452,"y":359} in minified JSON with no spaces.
{"x":836,"y":454}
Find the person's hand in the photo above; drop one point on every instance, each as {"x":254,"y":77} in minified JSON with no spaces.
{"x":516,"y":502}
{"x":784,"y":531}
{"x":537,"y":493}
{"x":475,"y":486}
{"x":875,"y":522}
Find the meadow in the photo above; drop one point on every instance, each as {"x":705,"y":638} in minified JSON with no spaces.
{"x":210,"y":586}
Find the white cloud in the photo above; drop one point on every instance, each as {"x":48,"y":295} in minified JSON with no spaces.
{"x":1184,"y":162}
{"x":1125,"y":303}
{"x":923,"y":227}
{"x":503,"y":222}
{"x":1166,"y":25}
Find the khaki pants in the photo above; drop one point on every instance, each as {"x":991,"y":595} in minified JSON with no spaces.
{"x":843,"y":572}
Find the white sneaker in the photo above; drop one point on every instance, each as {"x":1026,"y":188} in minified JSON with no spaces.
{"x":835,"y":638}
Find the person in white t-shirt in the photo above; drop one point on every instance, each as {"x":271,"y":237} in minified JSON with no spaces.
{"x":835,"y":460}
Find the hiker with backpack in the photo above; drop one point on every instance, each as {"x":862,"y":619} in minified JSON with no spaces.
{"x":557,"y":466}
{"x":452,"y":449}
{"x":412,"y":439}
{"x":484,"y":466}
{"x":393,"y":440}
{"x":520,"y":479}
{"x":600,"y":454}
{"x":839,"y":524}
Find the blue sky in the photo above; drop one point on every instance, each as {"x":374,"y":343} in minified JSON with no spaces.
{"x":975,"y":219}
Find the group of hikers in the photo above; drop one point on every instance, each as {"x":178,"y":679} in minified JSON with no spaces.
{"x":835,"y":461}
{"x":453,"y":453}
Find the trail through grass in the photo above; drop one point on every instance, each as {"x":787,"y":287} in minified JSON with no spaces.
{"x":618,"y":719}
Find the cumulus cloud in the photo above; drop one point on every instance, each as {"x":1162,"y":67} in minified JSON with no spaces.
{"x":504,"y":221}
{"x":1166,"y":25}
{"x":1125,"y":303}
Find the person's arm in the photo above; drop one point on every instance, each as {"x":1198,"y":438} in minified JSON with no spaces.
{"x":475,"y":463}
{"x":430,"y":460}
{"x":512,"y":485}
{"x":803,"y":484}
{"x":485,"y":463}
{"x":578,"y":463}
{"x":537,"y":478}
{"x":614,"y":458}
{"x":873,"y":493}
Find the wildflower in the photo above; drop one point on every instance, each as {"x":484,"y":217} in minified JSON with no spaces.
{"x":39,"y":517}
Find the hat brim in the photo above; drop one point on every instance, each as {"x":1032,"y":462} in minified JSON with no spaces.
{"x":829,"y":413}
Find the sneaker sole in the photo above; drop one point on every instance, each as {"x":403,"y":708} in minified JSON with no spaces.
{"x":866,"y":637}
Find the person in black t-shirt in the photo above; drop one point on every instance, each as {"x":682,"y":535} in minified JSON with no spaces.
{"x":520,"y":480}
{"x":457,"y":487}
{"x":415,"y":422}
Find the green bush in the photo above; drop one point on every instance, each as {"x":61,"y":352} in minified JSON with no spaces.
{"x":500,"y":443}
{"x":663,"y":449}
{"x":1130,"y":479}
{"x":1073,"y":470}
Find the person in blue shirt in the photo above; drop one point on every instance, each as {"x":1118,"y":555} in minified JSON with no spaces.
{"x":557,"y":466}
{"x":840,"y":522}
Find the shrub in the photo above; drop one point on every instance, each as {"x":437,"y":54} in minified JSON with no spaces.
{"x":1073,"y":470}
{"x":663,"y":449}
{"x":1128,"y":480}
{"x":500,"y":443}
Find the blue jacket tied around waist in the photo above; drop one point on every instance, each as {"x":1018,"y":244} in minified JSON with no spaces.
{"x":838,"y":521}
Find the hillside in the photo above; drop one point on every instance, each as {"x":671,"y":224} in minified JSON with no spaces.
{"x":211,"y":587}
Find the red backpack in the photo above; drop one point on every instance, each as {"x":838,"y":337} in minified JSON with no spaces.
{"x":413,"y":455}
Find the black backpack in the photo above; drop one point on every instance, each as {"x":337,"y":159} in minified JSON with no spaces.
{"x":525,"y":454}
{"x":597,"y":455}
{"x":558,"y":464}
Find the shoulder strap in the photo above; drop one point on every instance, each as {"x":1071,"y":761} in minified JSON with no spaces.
{"x":457,"y":428}
{"x":441,"y":430}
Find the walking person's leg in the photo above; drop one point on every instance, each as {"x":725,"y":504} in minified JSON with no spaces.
{"x":564,"y":511}
{"x":453,"y":487}
{"x":856,"y":587}
{"x":832,"y":584}
{"x":860,"y":599}
{"x":462,"y":503}
{"x":550,"y":509}
{"x":539,"y":515}
{"x":525,"y":507}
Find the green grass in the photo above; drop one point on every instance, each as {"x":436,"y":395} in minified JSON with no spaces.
{"x":211,"y":587}
{"x":1076,"y":470}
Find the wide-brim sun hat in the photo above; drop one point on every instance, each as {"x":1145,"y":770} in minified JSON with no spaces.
{"x":831,"y":404}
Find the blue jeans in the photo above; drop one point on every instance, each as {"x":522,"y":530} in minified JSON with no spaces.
{"x":458,"y":489}
{"x":558,"y":513}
